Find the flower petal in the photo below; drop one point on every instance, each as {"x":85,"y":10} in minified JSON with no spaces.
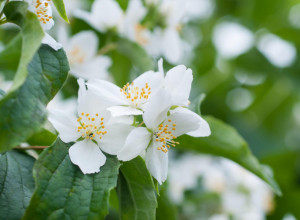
{"x":124,"y":110}
{"x":172,"y":47}
{"x":51,"y":42}
{"x":65,"y":123}
{"x":188,"y":122}
{"x":156,"y":109}
{"x":136,"y":142}
{"x":115,"y":138}
{"x":157,"y":163}
{"x":87,"y":155}
{"x":107,"y":92}
{"x":178,"y":82}
{"x":154,"y":80}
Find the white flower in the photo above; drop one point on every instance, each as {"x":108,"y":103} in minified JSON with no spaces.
{"x":93,"y":131}
{"x":81,"y":50}
{"x":178,"y":83}
{"x":43,"y":11}
{"x":105,"y":14}
{"x":160,"y":133}
{"x":132,"y":98}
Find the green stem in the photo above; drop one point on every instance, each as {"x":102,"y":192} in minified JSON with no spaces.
{"x":1,"y":13}
{"x":107,"y":48}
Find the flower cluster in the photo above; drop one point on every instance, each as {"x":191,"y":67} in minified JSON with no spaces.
{"x":154,"y":24}
{"x":143,"y":118}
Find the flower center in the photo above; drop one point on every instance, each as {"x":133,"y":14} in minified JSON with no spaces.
{"x":41,"y":10}
{"x":135,"y":95}
{"x":164,"y":135}
{"x":91,"y":126}
{"x":140,"y":38}
{"x":76,"y":55}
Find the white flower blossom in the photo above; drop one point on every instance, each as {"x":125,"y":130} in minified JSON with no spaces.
{"x":162,"y":128}
{"x":104,"y":15}
{"x":43,"y":11}
{"x":81,"y":50}
{"x":93,"y":131}
{"x":132,"y":98}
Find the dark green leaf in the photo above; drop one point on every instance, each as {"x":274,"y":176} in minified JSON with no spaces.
{"x":224,"y":141}
{"x":16,"y":184}
{"x":136,"y":191}
{"x":64,"y":192}
{"x":23,"y":111}
{"x":32,"y":35}
{"x":59,"y":4}
{"x":42,"y":138}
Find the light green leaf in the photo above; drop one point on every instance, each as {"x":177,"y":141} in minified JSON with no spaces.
{"x":32,"y":35}
{"x":136,"y":191}
{"x":64,"y":192}
{"x":10,"y":56}
{"x":16,"y":184}
{"x":225,"y":141}
{"x":60,"y":6}
{"x":136,"y":54}
{"x":42,"y":138}
{"x":23,"y":111}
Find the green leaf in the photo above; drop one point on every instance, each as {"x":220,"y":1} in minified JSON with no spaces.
{"x":16,"y":184}
{"x":224,"y":141}
{"x":136,"y":191}
{"x":64,"y":192}
{"x":166,"y":209}
{"x":42,"y":138}
{"x":59,"y":4}
{"x":10,"y":56}
{"x":136,"y":54}
{"x":23,"y":111}
{"x":32,"y":35}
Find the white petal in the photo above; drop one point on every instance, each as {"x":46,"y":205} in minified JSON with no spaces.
{"x":172,"y":46}
{"x":90,"y":103}
{"x":178,"y":82}
{"x":51,"y":42}
{"x":115,"y":138}
{"x":124,"y":110}
{"x":136,"y":142}
{"x":161,"y":67}
{"x":107,"y":92}
{"x":86,"y":42}
{"x":154,"y":80}
{"x":157,"y":163}
{"x":96,"y":68}
{"x":65,"y":123}
{"x":156,"y":109}
{"x":87,"y":155}
{"x":188,"y":122}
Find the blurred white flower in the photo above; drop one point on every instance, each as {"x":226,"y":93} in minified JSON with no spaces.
{"x":239,"y":99}
{"x":93,"y":131}
{"x":243,"y":195}
{"x":279,"y":52}
{"x":159,"y":134}
{"x":81,"y":50}
{"x":232,"y":39}
{"x":104,"y":15}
